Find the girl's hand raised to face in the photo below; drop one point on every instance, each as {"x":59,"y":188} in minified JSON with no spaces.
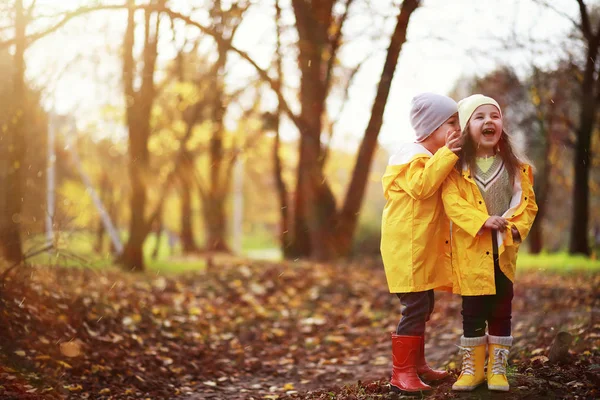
{"x":495,"y":222}
{"x":453,"y":141}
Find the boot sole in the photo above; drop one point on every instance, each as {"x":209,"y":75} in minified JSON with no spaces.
{"x":397,"y":390}
{"x":466,"y":388}
{"x":499,"y":388}
{"x":428,"y":380}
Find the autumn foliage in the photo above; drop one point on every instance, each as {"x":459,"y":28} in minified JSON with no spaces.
{"x":241,"y":330}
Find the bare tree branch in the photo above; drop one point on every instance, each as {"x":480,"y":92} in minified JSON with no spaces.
{"x":336,"y":42}
{"x":563,"y":14}
{"x":274,"y":84}
{"x":25,"y":257}
{"x":586,"y":27}
{"x":30,"y":9}
{"x":336,"y":119}
{"x":66,"y":18}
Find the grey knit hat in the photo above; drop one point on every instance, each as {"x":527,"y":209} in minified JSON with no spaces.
{"x":429,"y":111}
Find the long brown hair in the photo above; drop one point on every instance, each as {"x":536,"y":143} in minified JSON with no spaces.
{"x":513,"y":160}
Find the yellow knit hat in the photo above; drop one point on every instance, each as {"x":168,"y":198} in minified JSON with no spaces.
{"x":468,"y":105}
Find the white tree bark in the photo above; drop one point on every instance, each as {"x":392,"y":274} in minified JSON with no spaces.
{"x":106,"y":221}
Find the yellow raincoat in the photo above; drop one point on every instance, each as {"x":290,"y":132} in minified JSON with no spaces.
{"x":415,"y":238}
{"x":472,"y":258}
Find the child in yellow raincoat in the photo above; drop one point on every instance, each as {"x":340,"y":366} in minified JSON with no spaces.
{"x":489,"y":199}
{"x":415,"y":232}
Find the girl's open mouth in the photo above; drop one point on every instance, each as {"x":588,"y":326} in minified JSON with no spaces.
{"x":488,"y":132}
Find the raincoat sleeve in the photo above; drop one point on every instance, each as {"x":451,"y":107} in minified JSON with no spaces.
{"x":524,"y":215}
{"x":465,"y":215}
{"x":424,"y":176}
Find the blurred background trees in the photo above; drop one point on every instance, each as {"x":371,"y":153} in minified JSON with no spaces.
{"x":200,"y":138}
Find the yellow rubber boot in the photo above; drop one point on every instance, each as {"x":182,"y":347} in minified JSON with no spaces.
{"x":499,"y":347}
{"x":473,"y":363}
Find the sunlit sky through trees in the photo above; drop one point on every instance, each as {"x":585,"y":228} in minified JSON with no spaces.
{"x":79,"y":66}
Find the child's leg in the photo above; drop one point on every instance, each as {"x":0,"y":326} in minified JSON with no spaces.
{"x":501,"y":305}
{"x":431,"y":303}
{"x":500,"y":339}
{"x":473,"y":343}
{"x":415,"y":313}
{"x":423,"y":369}
{"x":475,"y":312}
{"x":407,"y":341}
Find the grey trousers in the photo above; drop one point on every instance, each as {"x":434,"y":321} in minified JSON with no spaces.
{"x":418,"y":307}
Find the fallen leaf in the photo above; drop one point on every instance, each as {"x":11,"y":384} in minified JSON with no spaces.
{"x":71,"y":349}
{"x":64,"y":364}
{"x":73,"y":388}
{"x":542,"y":359}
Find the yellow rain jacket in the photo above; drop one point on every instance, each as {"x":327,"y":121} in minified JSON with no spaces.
{"x":415,"y":238}
{"x":472,"y":258}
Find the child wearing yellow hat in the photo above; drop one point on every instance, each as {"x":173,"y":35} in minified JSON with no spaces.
{"x":490,"y":200}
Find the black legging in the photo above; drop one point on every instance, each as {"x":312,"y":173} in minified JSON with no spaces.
{"x":496,"y":309}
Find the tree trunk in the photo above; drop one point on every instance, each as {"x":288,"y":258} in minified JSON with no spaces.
{"x":542,"y":182}
{"x":579,"y":224}
{"x":158,"y":223}
{"x":579,"y":228}
{"x":330,"y":235}
{"x":215,"y":223}
{"x":105,"y":198}
{"x":285,"y":235}
{"x":354,"y":197}
{"x":99,"y":247}
{"x":187,"y":232}
{"x":12,"y":192}
{"x":314,"y":203}
{"x":133,"y":257}
{"x":112,"y":212}
{"x":536,"y":239}
{"x":214,"y":207}
{"x":536,"y":234}
{"x":139,"y":107}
